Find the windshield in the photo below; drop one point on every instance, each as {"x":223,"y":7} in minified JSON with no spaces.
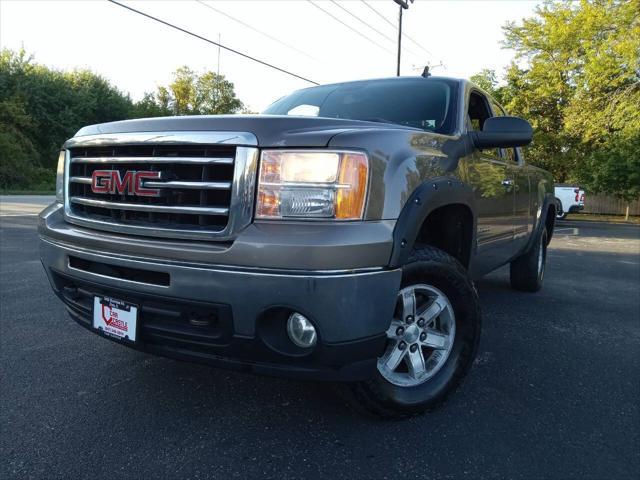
{"x":422,"y":103}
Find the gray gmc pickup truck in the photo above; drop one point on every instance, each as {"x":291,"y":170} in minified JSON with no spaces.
{"x":334,"y":237}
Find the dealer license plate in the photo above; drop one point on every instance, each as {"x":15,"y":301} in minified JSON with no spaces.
{"x":115,"y":318}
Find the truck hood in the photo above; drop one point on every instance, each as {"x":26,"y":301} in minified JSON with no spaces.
{"x":269,"y":130}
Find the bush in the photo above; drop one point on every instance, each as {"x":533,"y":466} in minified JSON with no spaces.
{"x":39,"y":109}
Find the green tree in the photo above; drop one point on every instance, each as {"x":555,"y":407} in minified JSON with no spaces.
{"x":193,"y":94}
{"x":576,"y":78}
{"x":615,"y":169}
{"x":39,"y":109}
{"x":488,"y":81}
{"x":150,"y":106}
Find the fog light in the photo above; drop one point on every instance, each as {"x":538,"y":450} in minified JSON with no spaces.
{"x":301,"y":331}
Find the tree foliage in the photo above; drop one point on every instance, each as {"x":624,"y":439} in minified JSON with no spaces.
{"x":488,"y":81}
{"x":191,"y":94}
{"x":40,"y":108}
{"x":576,"y":78}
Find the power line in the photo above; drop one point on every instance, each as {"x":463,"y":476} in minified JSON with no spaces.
{"x":262,"y":62}
{"x":362,"y":21}
{"x":349,"y":12}
{"x":369,"y":39}
{"x":394,"y":27}
{"x":254,"y":29}
{"x":378,"y":13}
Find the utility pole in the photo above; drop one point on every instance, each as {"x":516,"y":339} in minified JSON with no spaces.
{"x":218,"y":55}
{"x":404,"y":4}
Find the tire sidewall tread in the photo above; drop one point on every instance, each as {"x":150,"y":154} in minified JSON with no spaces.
{"x":524,"y":274}
{"x":434,"y":267}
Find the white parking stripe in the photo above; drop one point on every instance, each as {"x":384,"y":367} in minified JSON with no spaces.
{"x":571,"y":231}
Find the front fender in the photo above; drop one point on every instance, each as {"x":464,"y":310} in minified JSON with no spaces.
{"x":429,"y":196}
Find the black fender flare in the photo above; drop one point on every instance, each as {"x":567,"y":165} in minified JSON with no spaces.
{"x":429,"y":196}
{"x":541,"y":221}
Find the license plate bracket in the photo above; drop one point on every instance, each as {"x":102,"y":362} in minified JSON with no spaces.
{"x":115,"y":318}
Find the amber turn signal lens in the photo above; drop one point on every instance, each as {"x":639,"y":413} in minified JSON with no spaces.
{"x":268,"y":204}
{"x":352,"y":186}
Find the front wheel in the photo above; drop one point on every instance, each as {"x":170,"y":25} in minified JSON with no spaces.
{"x":431,"y":341}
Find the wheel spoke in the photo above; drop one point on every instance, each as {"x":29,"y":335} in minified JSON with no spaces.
{"x":436,"y":340}
{"x":433,"y":310}
{"x":415,"y":362}
{"x":408,"y":304}
{"x":391,"y":331}
{"x":393,"y":357}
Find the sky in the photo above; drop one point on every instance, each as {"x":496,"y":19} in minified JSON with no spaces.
{"x":458,"y":38}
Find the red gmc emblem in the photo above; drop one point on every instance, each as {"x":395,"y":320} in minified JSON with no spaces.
{"x":110,"y":181}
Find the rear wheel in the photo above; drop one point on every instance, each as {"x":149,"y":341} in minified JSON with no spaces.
{"x":560,"y":214}
{"x":431,"y":341}
{"x":527,"y":271}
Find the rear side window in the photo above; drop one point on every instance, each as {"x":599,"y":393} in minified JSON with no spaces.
{"x":427,"y":104}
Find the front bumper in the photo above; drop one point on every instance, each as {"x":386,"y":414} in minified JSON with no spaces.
{"x":576,"y":208}
{"x":244,"y":310}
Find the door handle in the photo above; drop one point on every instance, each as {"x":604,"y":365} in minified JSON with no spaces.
{"x":507,"y":183}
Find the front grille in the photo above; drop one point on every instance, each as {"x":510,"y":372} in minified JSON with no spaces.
{"x":195,"y":187}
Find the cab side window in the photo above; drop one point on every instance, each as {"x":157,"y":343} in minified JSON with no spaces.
{"x":508,"y":154}
{"x":478,"y":111}
{"x":477,"y":114}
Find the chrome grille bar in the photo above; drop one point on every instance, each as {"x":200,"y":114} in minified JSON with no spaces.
{"x":189,"y":185}
{"x":169,"y":184}
{"x":137,"y":207}
{"x":158,"y":160}
{"x":83,"y":180}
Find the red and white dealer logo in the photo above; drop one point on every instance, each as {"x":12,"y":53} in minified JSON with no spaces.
{"x":131,"y":183}
{"x":115,"y":318}
{"x":110,"y":317}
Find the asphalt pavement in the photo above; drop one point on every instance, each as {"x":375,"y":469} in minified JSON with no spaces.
{"x":23,"y":205}
{"x":554,"y":392}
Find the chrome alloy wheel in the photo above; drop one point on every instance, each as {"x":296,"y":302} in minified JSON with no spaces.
{"x":420,"y":336}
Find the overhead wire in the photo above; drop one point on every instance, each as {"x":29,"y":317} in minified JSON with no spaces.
{"x":369,"y":39}
{"x":200,"y":37}
{"x":368,"y":25}
{"x":254,"y":29}
{"x":405,"y":35}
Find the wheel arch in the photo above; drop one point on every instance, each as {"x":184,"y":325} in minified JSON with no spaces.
{"x":545,"y":218}
{"x":550,"y":220}
{"x":431,"y":211}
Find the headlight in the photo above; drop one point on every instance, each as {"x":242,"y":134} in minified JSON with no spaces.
{"x":312,"y":184}
{"x":60,"y":178}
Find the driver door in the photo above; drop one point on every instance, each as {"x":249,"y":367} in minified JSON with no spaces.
{"x":491,"y":176}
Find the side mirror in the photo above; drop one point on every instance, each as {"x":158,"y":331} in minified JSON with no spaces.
{"x":503,"y":132}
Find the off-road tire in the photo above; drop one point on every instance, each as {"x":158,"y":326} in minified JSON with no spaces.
{"x":527,"y":271}
{"x":381,"y":398}
{"x":560,"y":213}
